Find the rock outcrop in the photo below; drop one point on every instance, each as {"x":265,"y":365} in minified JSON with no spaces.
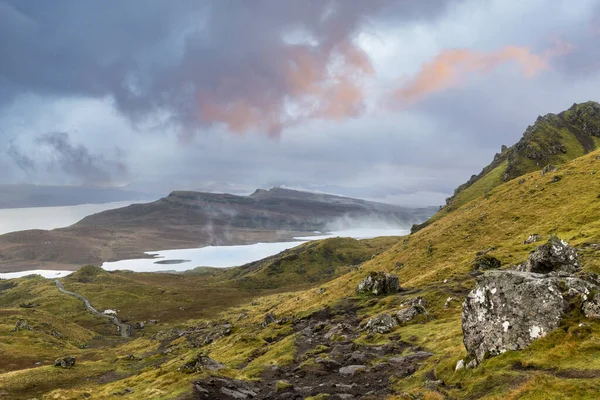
{"x":200,"y":363}
{"x":65,"y":362}
{"x":21,"y":325}
{"x":378,"y":283}
{"x":383,"y":323}
{"x":509,"y":309}
{"x":485,"y":262}
{"x":554,"y":256}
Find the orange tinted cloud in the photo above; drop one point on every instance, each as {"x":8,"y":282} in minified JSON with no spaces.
{"x":450,"y":67}
{"x":315,"y":83}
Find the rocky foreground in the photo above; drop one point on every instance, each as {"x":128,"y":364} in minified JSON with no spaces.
{"x":508,"y":310}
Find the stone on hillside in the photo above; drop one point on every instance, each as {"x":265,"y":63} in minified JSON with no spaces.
{"x":201,"y":363}
{"x":21,"y":325}
{"x":269,"y":319}
{"x":554,"y":256}
{"x":510,"y":309}
{"x":65,"y":362}
{"x":223,"y":388}
{"x":379,"y":283}
{"x":139,"y":325}
{"x":448,"y":302}
{"x":352,"y":369}
{"x":341,"y":330}
{"x":534,"y":237}
{"x":591,"y":307}
{"x":383,"y":323}
{"x":548,"y":168}
{"x":407,"y":314}
{"x":486,"y":262}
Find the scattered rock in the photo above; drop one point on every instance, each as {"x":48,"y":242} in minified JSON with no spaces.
{"x":320,"y":290}
{"x":56,"y":334}
{"x":406,"y":314}
{"x":484,"y":252}
{"x":534,"y":237}
{"x":153,"y":321}
{"x":341,"y":329}
{"x":28,"y":305}
{"x":448,"y":302}
{"x":223,"y":389}
{"x":357,"y":357}
{"x":21,"y":325}
{"x":269,"y":318}
{"x":378,"y":283}
{"x":486,"y":262}
{"x":549,"y":168}
{"x":65,"y":362}
{"x":352,"y":369}
{"x":591,"y":307}
{"x":242,"y":316}
{"x":509,"y":309}
{"x":554,"y":256}
{"x":200,"y":363}
{"x":123,"y":392}
{"x":328,"y":364}
{"x":139,"y":325}
{"x":383,"y":323}
{"x":555,"y":178}
{"x":460,"y":364}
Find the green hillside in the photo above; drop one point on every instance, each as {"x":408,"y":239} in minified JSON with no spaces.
{"x":553,"y":139}
{"x":264,"y":326}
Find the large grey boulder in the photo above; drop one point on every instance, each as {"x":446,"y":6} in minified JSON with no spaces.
{"x":554,"y":256}
{"x":379,"y":283}
{"x":509,"y":309}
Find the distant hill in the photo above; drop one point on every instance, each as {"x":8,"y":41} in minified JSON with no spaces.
{"x":24,"y":196}
{"x":552,"y":139}
{"x":195,"y":219}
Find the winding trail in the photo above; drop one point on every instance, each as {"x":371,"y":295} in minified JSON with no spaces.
{"x":123,"y":328}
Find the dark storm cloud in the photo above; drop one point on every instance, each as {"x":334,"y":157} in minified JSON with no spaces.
{"x":23,"y":161}
{"x":55,"y":153}
{"x":204,"y":62}
{"x":466,"y":75}
{"x":78,"y":161}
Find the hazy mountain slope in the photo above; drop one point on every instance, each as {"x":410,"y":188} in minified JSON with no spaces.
{"x":273,"y":209}
{"x":193,"y":219}
{"x":552,"y":139}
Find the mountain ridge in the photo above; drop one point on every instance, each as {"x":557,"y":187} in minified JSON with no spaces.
{"x":552,"y":139}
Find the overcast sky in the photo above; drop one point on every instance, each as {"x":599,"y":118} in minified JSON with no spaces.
{"x":395,"y":100}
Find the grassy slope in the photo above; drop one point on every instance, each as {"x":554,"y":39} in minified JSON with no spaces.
{"x":562,"y":365}
{"x":140,"y":297}
{"x":565,"y":364}
{"x":565,"y":129}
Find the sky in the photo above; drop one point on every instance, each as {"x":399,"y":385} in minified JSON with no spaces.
{"x":392,"y":100}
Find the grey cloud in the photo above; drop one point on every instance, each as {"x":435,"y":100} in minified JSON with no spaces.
{"x":23,"y":161}
{"x":78,"y":161}
{"x":202,"y":62}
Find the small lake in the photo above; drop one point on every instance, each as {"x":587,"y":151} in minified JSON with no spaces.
{"x":214,"y":256}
